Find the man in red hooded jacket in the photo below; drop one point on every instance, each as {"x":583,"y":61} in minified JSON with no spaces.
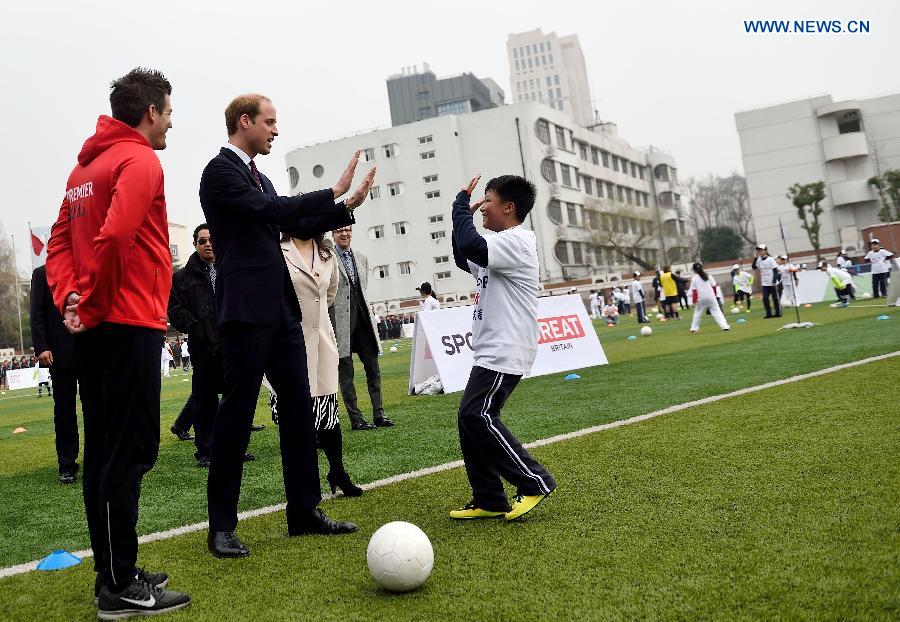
{"x":110,"y":270}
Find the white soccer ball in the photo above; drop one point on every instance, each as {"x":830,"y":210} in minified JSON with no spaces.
{"x":646,"y":331}
{"x":735,"y":310}
{"x":400,"y":556}
{"x":865,"y":295}
{"x":659,"y":316}
{"x":393,"y":348}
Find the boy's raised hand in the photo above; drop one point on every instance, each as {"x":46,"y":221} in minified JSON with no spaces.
{"x":469,"y":189}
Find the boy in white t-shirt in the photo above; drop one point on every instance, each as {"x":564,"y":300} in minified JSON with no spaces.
{"x":504,"y":340}
{"x":881,"y":267}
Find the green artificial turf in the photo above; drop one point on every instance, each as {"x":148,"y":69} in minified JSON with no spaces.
{"x":781,"y":504}
{"x":670,"y":367}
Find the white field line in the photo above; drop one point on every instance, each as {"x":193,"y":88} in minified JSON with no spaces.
{"x":179,"y":531}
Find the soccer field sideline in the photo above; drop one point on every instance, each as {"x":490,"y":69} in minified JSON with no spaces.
{"x":186,"y":529}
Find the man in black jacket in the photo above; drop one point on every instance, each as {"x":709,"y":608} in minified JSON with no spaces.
{"x":54,"y":346}
{"x":192,"y":310}
{"x":259,"y":319}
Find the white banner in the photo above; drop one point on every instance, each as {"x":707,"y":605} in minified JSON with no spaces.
{"x":26,"y":378}
{"x":442,"y":342}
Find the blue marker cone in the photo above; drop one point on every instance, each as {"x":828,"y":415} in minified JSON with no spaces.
{"x":573,"y":377}
{"x":631,"y":337}
{"x":884,"y":317}
{"x":57,"y":560}
{"x":741,"y":320}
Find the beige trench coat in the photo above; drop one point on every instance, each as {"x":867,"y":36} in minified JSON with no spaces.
{"x":315,"y":289}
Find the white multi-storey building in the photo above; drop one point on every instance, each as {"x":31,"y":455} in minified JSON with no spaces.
{"x":550,"y":69}
{"x":842,"y":143}
{"x":598,"y":199}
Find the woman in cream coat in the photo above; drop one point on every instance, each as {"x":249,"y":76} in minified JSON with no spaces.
{"x":314,"y":275}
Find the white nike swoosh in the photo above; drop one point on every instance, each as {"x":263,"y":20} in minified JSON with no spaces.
{"x":149,"y":602}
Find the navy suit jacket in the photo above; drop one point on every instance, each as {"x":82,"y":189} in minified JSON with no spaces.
{"x":245,"y":224}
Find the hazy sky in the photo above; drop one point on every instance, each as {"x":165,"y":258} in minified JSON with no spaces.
{"x":671,"y":74}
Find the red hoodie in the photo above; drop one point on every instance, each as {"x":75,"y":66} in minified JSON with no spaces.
{"x":110,"y":243}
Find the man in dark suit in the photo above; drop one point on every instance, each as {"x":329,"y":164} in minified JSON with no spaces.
{"x":54,"y":346}
{"x":259,"y":319}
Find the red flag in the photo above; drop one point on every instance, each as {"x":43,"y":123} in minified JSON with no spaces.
{"x":36,"y":244}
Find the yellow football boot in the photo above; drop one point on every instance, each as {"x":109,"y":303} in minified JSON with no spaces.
{"x":469,"y":511}
{"x":523,"y":505}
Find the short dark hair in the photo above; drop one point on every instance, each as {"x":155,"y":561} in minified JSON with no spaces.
{"x":515,"y":189}
{"x":134,"y":92}
{"x":198,"y":229}
{"x":240,"y":106}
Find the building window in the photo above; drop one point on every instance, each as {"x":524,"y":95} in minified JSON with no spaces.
{"x":400,"y":228}
{"x":390,"y":150}
{"x":588,"y":184}
{"x":554,"y":211}
{"x":582,"y":151}
{"x":576,"y":253}
{"x":615,"y":160}
{"x":610,"y":191}
{"x":441,"y":276}
{"x":849,"y":122}
{"x":559,"y":103}
{"x":433,"y":220}
{"x":395,"y":188}
{"x":599,"y":188}
{"x":294,"y":176}
{"x":369,"y":154}
{"x":430,"y":179}
{"x":605,"y":155}
{"x":374,"y":192}
{"x":572,"y":214}
{"x":432,"y":194}
{"x":566,"y":175}
{"x":173,"y":248}
{"x":517,"y":65}
{"x":549,"y":81}
{"x":424,"y":140}
{"x":634,"y":169}
{"x":594,"y":220}
{"x":438,"y":235}
{"x":318,"y":170}
{"x":620,"y":193}
{"x":555,"y":78}
{"x":548,"y":170}
{"x":561,"y":251}
{"x":550,"y":58}
{"x":442,"y":259}
{"x":404,"y":268}
{"x":457,"y":107}
{"x":382,"y":272}
{"x":561,"y":136}
{"x":542,"y":129}
{"x":376,"y":232}
{"x":427,"y":155}
{"x":422,"y":95}
{"x":595,"y":155}
{"x":424,"y":112}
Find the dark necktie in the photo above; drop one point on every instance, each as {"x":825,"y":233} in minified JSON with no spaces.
{"x":348,"y":265}
{"x":256,"y":176}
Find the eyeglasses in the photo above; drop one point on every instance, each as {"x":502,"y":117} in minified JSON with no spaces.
{"x":202,"y":241}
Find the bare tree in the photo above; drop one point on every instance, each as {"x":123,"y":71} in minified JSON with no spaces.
{"x":623,"y":227}
{"x":718,"y":202}
{"x":807,"y":198}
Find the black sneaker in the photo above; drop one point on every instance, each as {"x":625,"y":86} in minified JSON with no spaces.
{"x":159,"y":579}
{"x":141,"y":598}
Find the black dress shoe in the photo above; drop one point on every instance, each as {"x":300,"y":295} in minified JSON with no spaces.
{"x":257,"y":428}
{"x":67,"y":476}
{"x":361,"y":425}
{"x":317,"y":523}
{"x":183,"y":435}
{"x":383,"y":422}
{"x":249,"y":457}
{"x":203,"y":462}
{"x":226,"y":544}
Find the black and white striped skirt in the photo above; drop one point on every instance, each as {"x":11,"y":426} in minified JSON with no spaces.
{"x":325,"y":409}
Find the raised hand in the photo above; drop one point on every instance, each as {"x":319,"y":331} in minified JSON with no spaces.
{"x":472,"y":185}
{"x":475,"y":206}
{"x":357,"y":198}
{"x":343,"y":184}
